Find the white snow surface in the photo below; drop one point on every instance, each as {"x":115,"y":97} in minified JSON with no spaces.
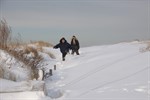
{"x":110,"y":72}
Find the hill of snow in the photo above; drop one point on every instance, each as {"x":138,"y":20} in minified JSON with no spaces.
{"x":118,"y":71}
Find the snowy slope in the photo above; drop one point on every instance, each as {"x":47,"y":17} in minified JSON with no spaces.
{"x":117,"y":72}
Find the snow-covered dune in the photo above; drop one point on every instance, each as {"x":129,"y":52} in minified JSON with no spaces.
{"x":115,"y":72}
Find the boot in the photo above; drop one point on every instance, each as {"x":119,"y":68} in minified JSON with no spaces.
{"x":63,"y":59}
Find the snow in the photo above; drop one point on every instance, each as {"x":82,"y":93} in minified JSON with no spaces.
{"x":13,"y":69}
{"x":115,"y":72}
{"x":11,"y":86}
{"x":30,"y":95}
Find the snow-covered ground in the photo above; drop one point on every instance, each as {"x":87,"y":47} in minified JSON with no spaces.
{"x":110,"y":72}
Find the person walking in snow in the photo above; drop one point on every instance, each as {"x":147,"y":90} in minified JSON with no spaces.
{"x":75,"y":45}
{"x":64,"y":47}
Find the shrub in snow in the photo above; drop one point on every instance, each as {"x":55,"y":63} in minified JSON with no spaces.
{"x":12,"y":69}
{"x":41,"y":44}
{"x":30,"y":57}
{"x":1,"y":72}
{"x":146,"y":48}
{"x":5,"y":33}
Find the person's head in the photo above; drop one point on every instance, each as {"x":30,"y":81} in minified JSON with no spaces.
{"x":74,"y":37}
{"x":62,"y":40}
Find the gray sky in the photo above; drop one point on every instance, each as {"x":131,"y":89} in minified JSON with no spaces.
{"x":94,"y":22}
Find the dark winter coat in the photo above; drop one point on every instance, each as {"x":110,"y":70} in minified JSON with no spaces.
{"x":64,"y":47}
{"x":75,"y":46}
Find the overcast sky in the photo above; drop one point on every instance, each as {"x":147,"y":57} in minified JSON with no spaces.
{"x":94,"y":22}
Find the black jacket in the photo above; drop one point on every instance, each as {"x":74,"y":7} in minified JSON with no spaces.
{"x":64,"y":47}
